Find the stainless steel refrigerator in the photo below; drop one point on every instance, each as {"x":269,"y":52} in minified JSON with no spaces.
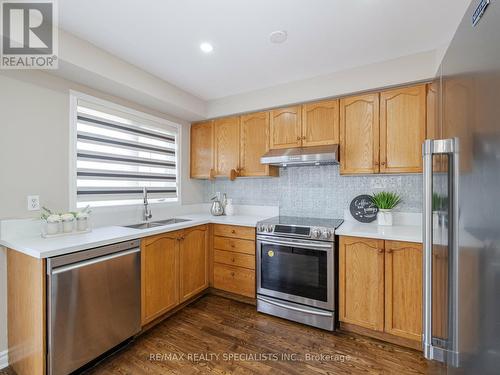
{"x":462,"y":200}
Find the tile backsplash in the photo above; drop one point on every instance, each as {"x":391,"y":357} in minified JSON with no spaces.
{"x":316,"y":191}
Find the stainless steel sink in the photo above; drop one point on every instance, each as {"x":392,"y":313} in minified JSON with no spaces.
{"x":171,"y":221}
{"x":154,"y":224}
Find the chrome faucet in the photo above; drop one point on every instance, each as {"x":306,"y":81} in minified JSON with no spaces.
{"x":147,"y":211}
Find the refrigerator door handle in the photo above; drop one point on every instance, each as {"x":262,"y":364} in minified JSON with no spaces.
{"x":427,"y":242}
{"x":448,"y":354}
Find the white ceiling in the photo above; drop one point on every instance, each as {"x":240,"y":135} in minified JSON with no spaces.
{"x":162,"y":37}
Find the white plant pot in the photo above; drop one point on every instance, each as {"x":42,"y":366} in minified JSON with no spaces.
{"x":384,"y":217}
{"x":52,"y":227}
{"x":82,"y":224}
{"x":68,"y":226}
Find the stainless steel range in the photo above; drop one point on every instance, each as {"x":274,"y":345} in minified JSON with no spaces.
{"x":296,"y":269}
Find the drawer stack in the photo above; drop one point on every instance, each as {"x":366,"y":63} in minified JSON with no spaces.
{"x":234,"y":259}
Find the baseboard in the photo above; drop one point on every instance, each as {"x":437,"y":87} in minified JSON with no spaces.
{"x":4,"y":359}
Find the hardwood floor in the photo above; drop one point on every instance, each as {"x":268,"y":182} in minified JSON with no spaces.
{"x":230,"y":337}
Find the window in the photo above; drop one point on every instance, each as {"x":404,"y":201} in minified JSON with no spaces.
{"x":118,"y":152}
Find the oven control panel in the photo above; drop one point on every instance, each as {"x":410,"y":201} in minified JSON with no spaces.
{"x":315,"y":233}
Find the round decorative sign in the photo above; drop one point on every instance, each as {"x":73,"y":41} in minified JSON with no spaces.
{"x":363,"y":209}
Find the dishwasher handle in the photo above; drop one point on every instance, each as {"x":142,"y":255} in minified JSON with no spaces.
{"x":88,"y":262}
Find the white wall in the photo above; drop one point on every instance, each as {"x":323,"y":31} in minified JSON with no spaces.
{"x":412,"y":68}
{"x":34,"y":144}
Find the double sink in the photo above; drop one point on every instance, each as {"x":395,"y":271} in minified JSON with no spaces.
{"x":154,"y":224}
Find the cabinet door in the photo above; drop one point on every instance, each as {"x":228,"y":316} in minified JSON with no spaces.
{"x":286,"y":128}
{"x":159,"y":275}
{"x":202,"y":158}
{"x":402,"y":129}
{"x":227,"y":145}
{"x":320,"y":123}
{"x":403,"y":289}
{"x":254,"y":131}
{"x":359,"y":134}
{"x":193,"y":260}
{"x":361,"y":282}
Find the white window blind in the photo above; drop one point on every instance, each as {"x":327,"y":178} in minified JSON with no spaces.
{"x":119,"y":154}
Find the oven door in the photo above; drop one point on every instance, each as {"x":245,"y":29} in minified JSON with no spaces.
{"x":296,"y":270}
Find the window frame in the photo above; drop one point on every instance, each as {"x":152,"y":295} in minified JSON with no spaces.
{"x":74,"y":96}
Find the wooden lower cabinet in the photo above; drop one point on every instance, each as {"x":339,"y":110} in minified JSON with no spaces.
{"x":234,"y":259}
{"x":361,"y":282}
{"x":380,"y":287}
{"x":159,"y":275}
{"x":174,"y":268}
{"x":403,"y":289}
{"x":193,"y":262}
{"x":233,"y":279}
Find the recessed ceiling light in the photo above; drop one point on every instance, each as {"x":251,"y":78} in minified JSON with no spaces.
{"x":278,"y":36}
{"x":206,"y":47}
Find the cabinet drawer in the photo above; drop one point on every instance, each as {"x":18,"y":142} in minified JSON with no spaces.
{"x":235,"y":259}
{"x":234,"y":231}
{"x":232,"y":244}
{"x":234,"y":279}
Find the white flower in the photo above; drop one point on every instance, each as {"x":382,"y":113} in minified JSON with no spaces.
{"x":53,"y":219}
{"x":67,"y":217}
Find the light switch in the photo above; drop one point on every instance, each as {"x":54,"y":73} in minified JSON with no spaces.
{"x":33,"y":202}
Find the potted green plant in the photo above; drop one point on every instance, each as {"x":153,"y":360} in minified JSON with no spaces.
{"x":385,"y":201}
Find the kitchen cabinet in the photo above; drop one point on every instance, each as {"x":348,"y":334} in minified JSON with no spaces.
{"x":359,"y":134}
{"x":383,"y":132}
{"x":254,"y":142}
{"x":403,"y":289}
{"x":361,"y":282}
{"x":312,"y":124}
{"x":193,"y":262}
{"x":234,"y":259}
{"x":159,"y":275}
{"x":174,"y":268}
{"x":320,"y":123}
{"x":226,"y":146}
{"x":402,"y":129}
{"x":380,"y":288}
{"x":202,"y":150}
{"x":286,"y":127}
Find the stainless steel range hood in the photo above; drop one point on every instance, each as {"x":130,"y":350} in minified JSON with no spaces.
{"x":299,"y":156}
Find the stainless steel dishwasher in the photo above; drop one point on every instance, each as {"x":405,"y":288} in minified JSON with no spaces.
{"x":94,"y":303}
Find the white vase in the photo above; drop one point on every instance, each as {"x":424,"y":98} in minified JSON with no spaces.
{"x":82,"y":224}
{"x":384,"y":217}
{"x":52,"y":227}
{"x":68,"y":226}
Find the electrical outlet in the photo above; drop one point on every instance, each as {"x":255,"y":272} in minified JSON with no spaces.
{"x":33,"y":202}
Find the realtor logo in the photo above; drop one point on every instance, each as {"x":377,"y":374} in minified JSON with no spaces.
{"x":29,"y":34}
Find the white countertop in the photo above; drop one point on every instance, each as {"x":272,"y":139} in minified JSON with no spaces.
{"x":36,"y":246}
{"x":409,"y":233}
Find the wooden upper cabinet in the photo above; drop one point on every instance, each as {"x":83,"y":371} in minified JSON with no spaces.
{"x":226,"y":145}
{"x":320,"y":123}
{"x":286,"y":127}
{"x":193,"y":262}
{"x":202,"y":157}
{"x":359,"y":134}
{"x":403,"y":289}
{"x":159,"y":275}
{"x":402,"y":129}
{"x":254,"y":142}
{"x":361,"y":282}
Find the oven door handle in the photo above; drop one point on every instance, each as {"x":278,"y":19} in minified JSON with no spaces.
{"x":319,"y":246}
{"x":294,"y":307}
